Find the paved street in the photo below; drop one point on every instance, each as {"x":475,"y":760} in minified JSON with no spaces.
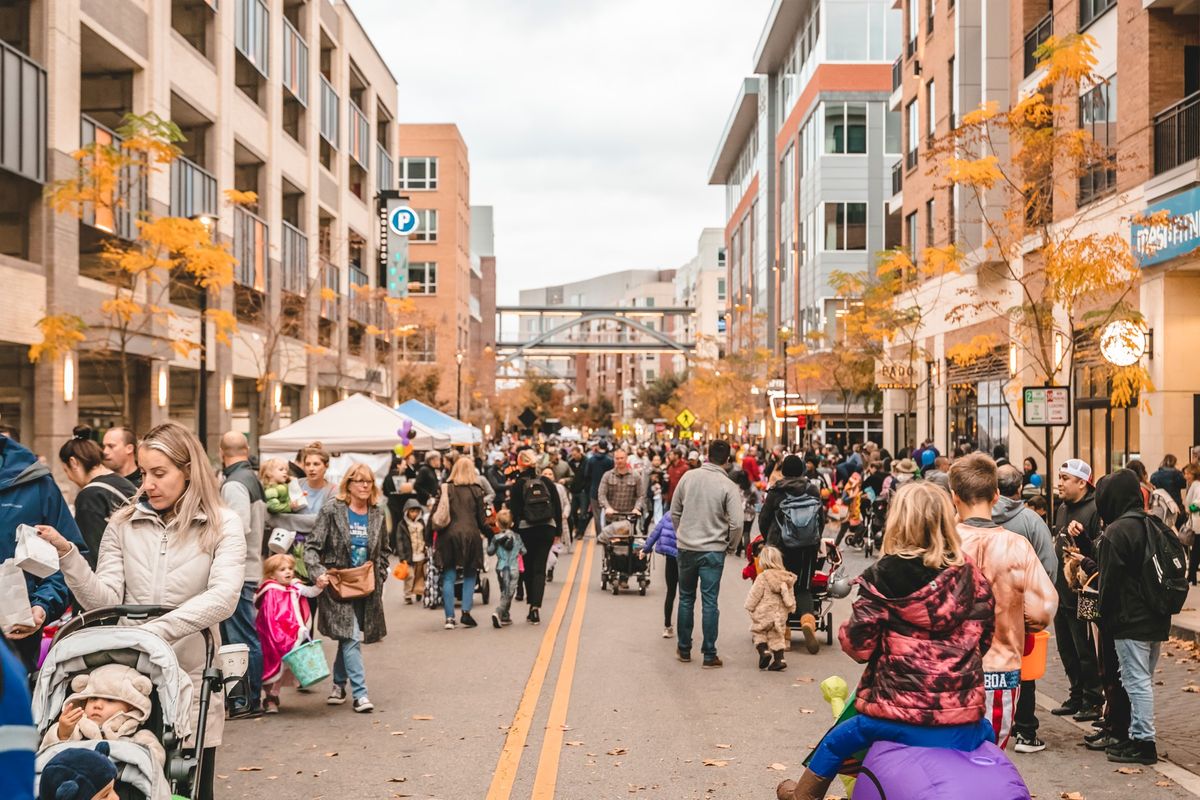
{"x":616,"y":715}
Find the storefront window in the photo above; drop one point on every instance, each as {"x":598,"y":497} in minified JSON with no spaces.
{"x":1105,"y":437}
{"x":977,"y":414}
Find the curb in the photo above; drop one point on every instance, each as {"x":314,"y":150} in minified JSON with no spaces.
{"x":1186,"y":632}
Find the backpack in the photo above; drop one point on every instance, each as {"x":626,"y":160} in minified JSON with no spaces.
{"x":799,"y":519}
{"x":1163,"y":506}
{"x":538,"y":510}
{"x":1164,"y":570}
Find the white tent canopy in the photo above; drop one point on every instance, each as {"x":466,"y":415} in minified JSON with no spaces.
{"x":357,"y":424}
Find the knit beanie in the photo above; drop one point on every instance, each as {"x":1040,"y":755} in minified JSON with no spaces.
{"x":77,"y":773}
{"x":793,"y":466}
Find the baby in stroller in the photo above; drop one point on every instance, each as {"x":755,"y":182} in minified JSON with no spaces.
{"x":110,"y":702}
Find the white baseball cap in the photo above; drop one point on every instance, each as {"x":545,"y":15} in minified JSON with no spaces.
{"x":694,"y":455}
{"x":1077,"y":468}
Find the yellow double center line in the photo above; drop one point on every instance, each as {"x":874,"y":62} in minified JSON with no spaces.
{"x":518,"y":733}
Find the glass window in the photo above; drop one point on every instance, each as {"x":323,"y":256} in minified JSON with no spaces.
{"x":929,"y":223}
{"x":910,"y":232}
{"x":845,"y":127}
{"x":419,"y":173}
{"x":422,"y":277}
{"x":913,"y":135}
{"x":891,"y":132}
{"x":427,"y":228}
{"x":1098,"y":118}
{"x":930,"y":109}
{"x":1090,"y":9}
{"x":844,"y":40}
{"x":720,"y":288}
{"x":845,"y":226}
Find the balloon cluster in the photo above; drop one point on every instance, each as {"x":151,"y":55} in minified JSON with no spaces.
{"x":406,"y":435}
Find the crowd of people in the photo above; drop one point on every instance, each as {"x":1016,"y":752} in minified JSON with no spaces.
{"x":972,"y":564}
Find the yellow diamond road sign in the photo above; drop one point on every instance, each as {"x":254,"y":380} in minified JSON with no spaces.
{"x":685,"y":418}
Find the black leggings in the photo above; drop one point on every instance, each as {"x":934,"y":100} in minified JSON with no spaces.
{"x":672,"y":586}
{"x":538,"y":541}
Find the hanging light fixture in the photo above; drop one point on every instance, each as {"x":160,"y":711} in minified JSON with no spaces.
{"x":1123,"y":342}
{"x":1012,"y":360}
{"x":163,"y":382}
{"x":278,"y":396}
{"x":315,"y":400}
{"x":228,"y":392}
{"x":68,"y":376}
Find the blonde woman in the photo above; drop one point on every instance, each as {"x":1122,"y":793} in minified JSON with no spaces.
{"x":177,"y":545}
{"x":921,"y":623}
{"x":350,"y":532}
{"x":459,"y":547}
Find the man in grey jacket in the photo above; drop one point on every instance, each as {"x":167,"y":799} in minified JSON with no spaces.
{"x":242,"y":492}
{"x":1010,"y":512}
{"x":706,"y":511}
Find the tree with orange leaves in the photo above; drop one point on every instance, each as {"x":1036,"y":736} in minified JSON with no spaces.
{"x":140,"y":271}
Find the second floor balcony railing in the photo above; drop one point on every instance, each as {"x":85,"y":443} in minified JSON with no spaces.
{"x":1177,"y":134}
{"x":897,"y":177}
{"x":293,"y":262}
{"x":251,"y":248}
{"x":385,"y":176}
{"x":1034,"y":39}
{"x":22,"y":114}
{"x":295,"y":63}
{"x":330,"y":107}
{"x":360,"y":296}
{"x":118,"y":214}
{"x":897,"y":73}
{"x":252,"y":31}
{"x":193,"y":189}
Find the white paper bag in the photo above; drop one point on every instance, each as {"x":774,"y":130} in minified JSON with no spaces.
{"x":35,"y":555}
{"x":14,"y":599}
{"x":281,"y":540}
{"x":297,"y":496}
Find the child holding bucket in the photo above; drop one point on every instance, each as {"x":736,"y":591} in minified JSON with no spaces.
{"x":282,"y":620}
{"x":922,"y":621}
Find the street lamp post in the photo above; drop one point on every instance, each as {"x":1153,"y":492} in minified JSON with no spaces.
{"x":785,"y":333}
{"x":458,"y":359}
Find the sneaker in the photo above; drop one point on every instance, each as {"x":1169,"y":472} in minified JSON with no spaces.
{"x":1088,"y":714}
{"x":1067,"y":708}
{"x":245,"y":713}
{"x":550,"y":575}
{"x":534,"y":617}
{"x":712,"y":662}
{"x":468,"y":621}
{"x":449,"y":624}
{"x":506,"y":620}
{"x":496,"y":619}
{"x":1028,"y":743}
{"x":668,"y":632}
{"x":271,"y":704}
{"x":408,"y":601}
{"x":337,"y":696}
{"x":363,"y":705}
{"x":1137,"y":751}
{"x":1096,"y":736}
{"x":683,"y":655}
{"x":1105,"y":742}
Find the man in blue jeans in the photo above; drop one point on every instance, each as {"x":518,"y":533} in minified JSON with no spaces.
{"x":706,"y":511}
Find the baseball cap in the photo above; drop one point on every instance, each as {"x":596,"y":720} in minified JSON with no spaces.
{"x":695,"y":454}
{"x":1078,"y":468}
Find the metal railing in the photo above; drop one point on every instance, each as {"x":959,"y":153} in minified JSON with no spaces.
{"x":118,"y":215}
{"x":897,"y":177}
{"x":330,"y":106}
{"x":360,"y":299}
{"x":193,"y":189}
{"x":251,"y":248}
{"x":22,"y":114}
{"x":385,"y":175}
{"x":295,"y":63}
{"x":1177,"y":134}
{"x":358,"y":135}
{"x":910,"y":158}
{"x":332,"y":280}
{"x":252,"y":33}
{"x":293,"y":262}
{"x":897,"y":73}
{"x":1034,"y":39}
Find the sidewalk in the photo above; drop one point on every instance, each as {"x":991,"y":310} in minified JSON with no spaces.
{"x":1186,"y":624}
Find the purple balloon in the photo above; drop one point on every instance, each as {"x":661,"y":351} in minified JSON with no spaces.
{"x":934,"y":773}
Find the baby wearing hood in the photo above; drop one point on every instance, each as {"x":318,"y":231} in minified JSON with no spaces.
{"x":769,"y":602}
{"x":111,"y":702}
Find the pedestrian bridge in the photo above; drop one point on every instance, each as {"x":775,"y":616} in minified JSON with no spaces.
{"x":567,"y":331}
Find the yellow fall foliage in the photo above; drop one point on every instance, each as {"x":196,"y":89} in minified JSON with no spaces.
{"x":60,"y":334}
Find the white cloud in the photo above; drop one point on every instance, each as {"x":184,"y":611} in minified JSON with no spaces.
{"x":590,"y":123}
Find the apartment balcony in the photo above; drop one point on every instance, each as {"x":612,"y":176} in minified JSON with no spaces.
{"x":897,"y":73}
{"x":360,"y":298}
{"x":910,"y":159}
{"x":895,"y":203}
{"x":294,"y":260}
{"x":1034,"y":39}
{"x":295,"y":63}
{"x":251,"y":248}
{"x":331,"y":280}
{"x":1177,"y":134}
{"x":22,"y":114}
{"x":359,"y":136}
{"x":252,"y":32}
{"x":385,"y":175}
{"x":473,"y":306}
{"x":193,"y":190}
{"x":119,"y":213}
{"x":330,"y":107}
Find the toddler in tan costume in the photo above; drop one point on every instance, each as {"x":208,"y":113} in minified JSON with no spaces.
{"x":771,"y":599}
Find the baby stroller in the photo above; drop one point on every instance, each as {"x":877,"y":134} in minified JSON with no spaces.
{"x":621,"y":545}
{"x":828,"y":582}
{"x":91,"y":640}
{"x":876,"y":519}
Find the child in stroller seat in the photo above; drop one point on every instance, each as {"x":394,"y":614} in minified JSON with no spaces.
{"x":110,"y":702}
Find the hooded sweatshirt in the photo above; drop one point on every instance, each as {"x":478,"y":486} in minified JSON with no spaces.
{"x":1025,"y":596}
{"x":29,"y":496}
{"x":410,"y":538}
{"x":923,"y":648}
{"x":1083,"y":512}
{"x":770,"y":600}
{"x":1016,"y":517}
{"x":1121,"y":550}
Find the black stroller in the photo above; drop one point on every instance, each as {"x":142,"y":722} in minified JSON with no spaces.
{"x":92,"y":639}
{"x":621,"y":562}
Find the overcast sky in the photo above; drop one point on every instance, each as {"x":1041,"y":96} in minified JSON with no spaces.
{"x":591,"y":124}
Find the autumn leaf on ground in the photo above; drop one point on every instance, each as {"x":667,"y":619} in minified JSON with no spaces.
{"x":1163,"y":783}
{"x":724,"y":746}
{"x":806,"y":711}
{"x":397,"y":733}
{"x":618,"y":751}
{"x":1072,"y":796}
{"x":1192,"y":688}
{"x":249,"y":769}
{"x":573,"y":744}
{"x":778,"y":767}
{"x":331,"y":755}
{"x":715,"y":762}
{"x":1129,"y":770}
{"x":422,"y":717}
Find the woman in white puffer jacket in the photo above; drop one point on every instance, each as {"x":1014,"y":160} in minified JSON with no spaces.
{"x":177,"y":545}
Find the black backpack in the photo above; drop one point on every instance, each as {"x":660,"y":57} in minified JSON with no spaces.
{"x":538,"y":510}
{"x":1164,"y":570}
{"x":799,"y":519}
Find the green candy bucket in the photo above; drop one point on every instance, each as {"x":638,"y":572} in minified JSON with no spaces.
{"x":307,"y":662}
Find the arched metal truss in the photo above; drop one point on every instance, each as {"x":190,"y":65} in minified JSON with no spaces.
{"x":543,"y":346}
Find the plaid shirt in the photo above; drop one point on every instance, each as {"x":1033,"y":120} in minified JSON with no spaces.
{"x":621,"y":493}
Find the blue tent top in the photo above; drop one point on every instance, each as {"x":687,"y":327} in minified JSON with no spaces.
{"x":461,"y":434}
